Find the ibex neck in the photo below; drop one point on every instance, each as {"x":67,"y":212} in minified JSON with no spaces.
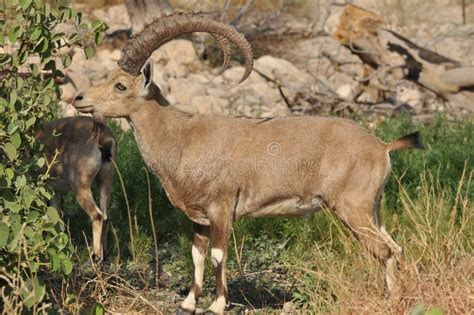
{"x":157,"y":130}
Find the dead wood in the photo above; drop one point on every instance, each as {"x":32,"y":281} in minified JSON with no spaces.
{"x":363,"y":32}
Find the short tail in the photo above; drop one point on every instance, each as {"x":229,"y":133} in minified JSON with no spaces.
{"x":411,"y":141}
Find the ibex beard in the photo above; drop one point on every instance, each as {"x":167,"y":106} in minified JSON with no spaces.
{"x":297,"y":164}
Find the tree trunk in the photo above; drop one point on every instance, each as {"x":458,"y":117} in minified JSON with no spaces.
{"x":363,"y":33}
{"x":143,"y":11}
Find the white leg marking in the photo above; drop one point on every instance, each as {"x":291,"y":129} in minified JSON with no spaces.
{"x":189,"y":303}
{"x":218,"y":306}
{"x":216,"y":256}
{"x":198,"y":260}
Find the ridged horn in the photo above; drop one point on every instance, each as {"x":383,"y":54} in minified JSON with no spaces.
{"x":163,"y":29}
{"x":225,"y":45}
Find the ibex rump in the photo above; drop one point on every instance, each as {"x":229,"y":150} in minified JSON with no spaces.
{"x":84,"y":149}
{"x":217,"y":169}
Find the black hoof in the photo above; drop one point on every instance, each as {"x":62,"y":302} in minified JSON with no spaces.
{"x":182,"y":311}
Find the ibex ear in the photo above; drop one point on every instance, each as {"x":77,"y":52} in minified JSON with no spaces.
{"x":147,"y":73}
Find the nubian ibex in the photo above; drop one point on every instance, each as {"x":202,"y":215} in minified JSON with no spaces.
{"x":81,"y":150}
{"x":219,"y":169}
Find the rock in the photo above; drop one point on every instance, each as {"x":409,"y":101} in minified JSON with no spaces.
{"x":116,"y":17}
{"x":113,"y":55}
{"x":410,"y":96}
{"x":255,"y":94}
{"x":281,"y":70}
{"x":206,"y":105}
{"x":288,"y":308}
{"x":178,"y":58}
{"x":184,"y":89}
{"x":234,"y":74}
{"x":99,"y":69}
{"x":346,"y":92}
{"x":292,"y":79}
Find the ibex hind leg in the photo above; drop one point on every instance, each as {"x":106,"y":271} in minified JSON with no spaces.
{"x":104,"y":183}
{"x":359,"y":218}
{"x":86,"y":201}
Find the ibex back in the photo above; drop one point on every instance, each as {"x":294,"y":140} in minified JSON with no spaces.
{"x":81,"y":150}
{"x":217,"y":169}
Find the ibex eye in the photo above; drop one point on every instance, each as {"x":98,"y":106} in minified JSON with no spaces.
{"x":120,"y":87}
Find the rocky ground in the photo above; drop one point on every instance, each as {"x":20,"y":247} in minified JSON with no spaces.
{"x":299,"y":68}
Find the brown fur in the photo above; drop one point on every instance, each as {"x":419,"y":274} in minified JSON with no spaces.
{"x":84,"y":148}
{"x":217,"y":169}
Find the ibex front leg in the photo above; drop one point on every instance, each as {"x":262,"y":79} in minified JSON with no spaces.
{"x":221,"y":229}
{"x":199,"y":250}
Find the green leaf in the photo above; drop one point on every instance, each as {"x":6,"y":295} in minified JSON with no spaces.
{"x":20,"y":181}
{"x":4,"y":233}
{"x":35,"y":70}
{"x":98,"y":309}
{"x":66,"y":59}
{"x":13,"y":98}
{"x":40,"y":162}
{"x":23,"y":57}
{"x":9,"y":173}
{"x":34,"y":292}
{"x":419,"y":309}
{"x":67,"y":266}
{"x":99,"y":37}
{"x":30,"y":122}
{"x":14,"y":34}
{"x":96,"y":24}
{"x":16,"y":140}
{"x":89,"y":52}
{"x":16,"y":229}
{"x":36,"y":33}
{"x":52,"y":214}
{"x":42,"y":45}
{"x":10,"y":151}
{"x":435,"y":311}
{"x":25,"y":4}
{"x":49,"y":84}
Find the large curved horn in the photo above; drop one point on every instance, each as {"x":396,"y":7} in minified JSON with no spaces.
{"x":163,"y":29}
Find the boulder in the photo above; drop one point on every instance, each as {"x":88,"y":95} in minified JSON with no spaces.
{"x":185,"y":89}
{"x":281,"y":70}
{"x":178,"y":57}
{"x":208,"y":104}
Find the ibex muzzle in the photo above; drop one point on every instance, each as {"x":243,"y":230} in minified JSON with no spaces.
{"x":217,"y":169}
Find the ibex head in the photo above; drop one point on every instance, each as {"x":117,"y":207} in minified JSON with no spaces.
{"x":132,"y":83}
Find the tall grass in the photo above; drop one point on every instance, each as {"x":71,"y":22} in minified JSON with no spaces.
{"x":436,"y":268}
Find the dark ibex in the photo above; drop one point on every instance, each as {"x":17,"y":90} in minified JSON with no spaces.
{"x":81,"y":150}
{"x":217,"y":169}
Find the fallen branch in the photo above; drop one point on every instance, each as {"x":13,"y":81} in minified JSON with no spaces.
{"x":363,"y":33}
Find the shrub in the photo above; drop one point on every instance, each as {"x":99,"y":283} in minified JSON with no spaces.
{"x":32,"y":235}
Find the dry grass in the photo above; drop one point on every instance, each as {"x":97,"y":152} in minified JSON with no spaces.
{"x":436,"y":268}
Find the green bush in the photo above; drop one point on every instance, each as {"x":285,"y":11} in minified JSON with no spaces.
{"x":32,"y":235}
